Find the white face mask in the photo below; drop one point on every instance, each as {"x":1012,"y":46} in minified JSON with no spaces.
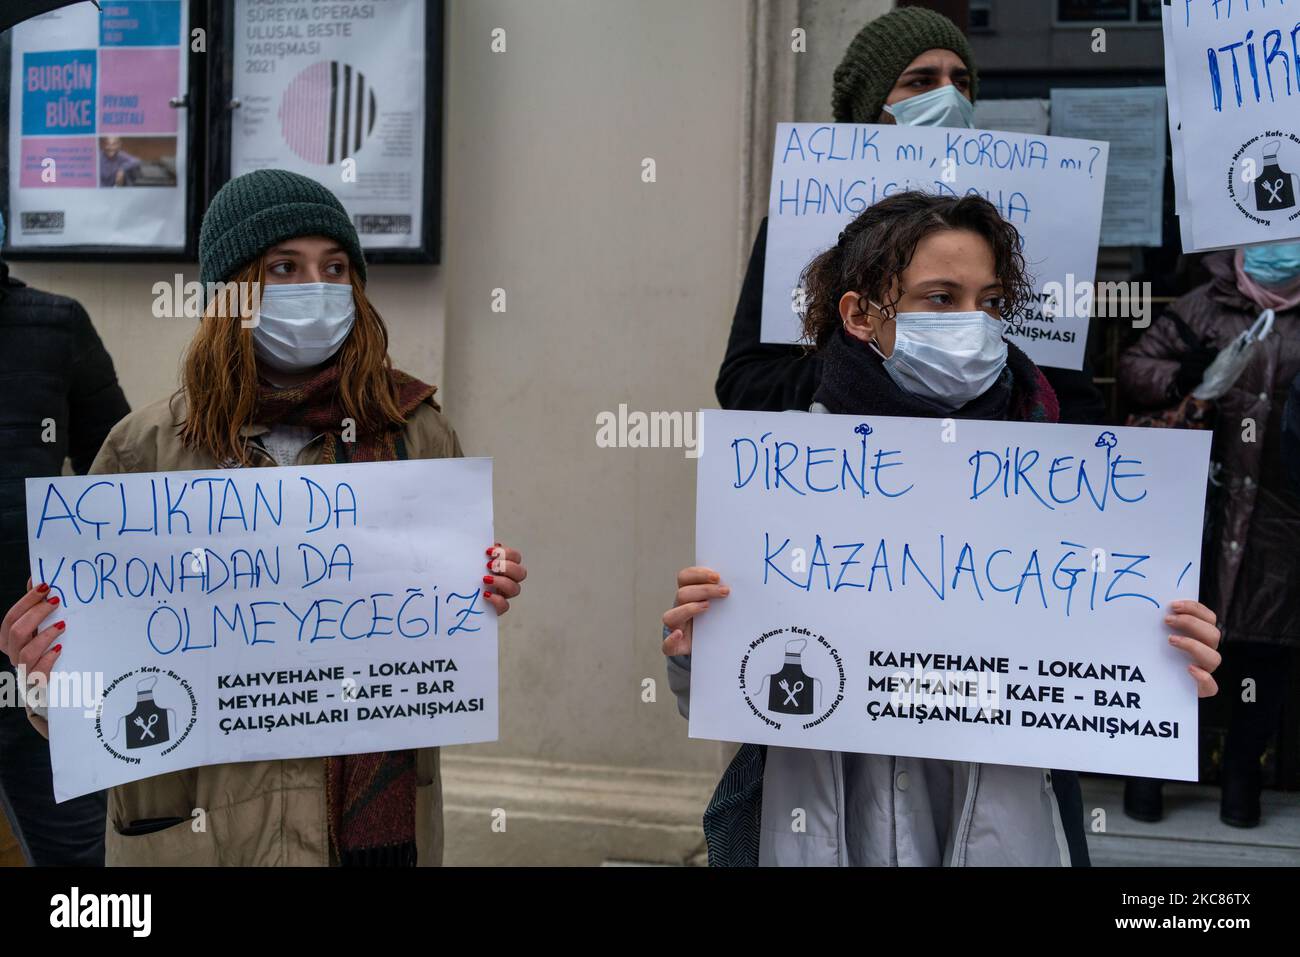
{"x":301,"y":325}
{"x":946,"y":106}
{"x":948,"y":358}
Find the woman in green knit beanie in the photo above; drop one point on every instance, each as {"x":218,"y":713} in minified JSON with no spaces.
{"x":295,"y":374}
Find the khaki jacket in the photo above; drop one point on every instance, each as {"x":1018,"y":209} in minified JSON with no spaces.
{"x":258,"y":813}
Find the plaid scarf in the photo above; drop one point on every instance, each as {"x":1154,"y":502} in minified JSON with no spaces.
{"x":370,"y":797}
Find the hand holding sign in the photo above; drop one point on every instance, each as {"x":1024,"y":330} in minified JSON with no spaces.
{"x":1197,"y":635}
{"x":25,"y":640}
{"x":508,"y":575}
{"x":695,"y":587}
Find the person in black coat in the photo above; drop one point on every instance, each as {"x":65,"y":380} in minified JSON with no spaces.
{"x":917,"y":55}
{"x":912,"y":66}
{"x":59,"y":397}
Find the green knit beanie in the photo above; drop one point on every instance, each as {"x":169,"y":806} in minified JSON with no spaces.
{"x":882,"y":50}
{"x":253,"y":212}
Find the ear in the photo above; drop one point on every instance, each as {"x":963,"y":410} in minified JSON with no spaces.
{"x":857,"y":323}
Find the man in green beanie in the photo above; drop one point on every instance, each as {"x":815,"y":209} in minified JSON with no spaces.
{"x":913,"y":67}
{"x":908,"y":55}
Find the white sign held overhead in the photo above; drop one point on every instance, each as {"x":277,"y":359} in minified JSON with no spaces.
{"x":1051,"y":189}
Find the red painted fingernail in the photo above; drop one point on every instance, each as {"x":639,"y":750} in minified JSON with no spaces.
{"x":42,"y":588}
{"x":488,"y":551}
{"x":60,"y":625}
{"x":489,"y":566}
{"x":53,"y":600}
{"x":486,"y":592}
{"x":487,"y":579}
{"x":57,"y":649}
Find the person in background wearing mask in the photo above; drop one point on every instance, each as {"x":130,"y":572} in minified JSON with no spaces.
{"x":59,"y":398}
{"x":1252,"y":584}
{"x":912,"y":66}
{"x":906,"y":312}
{"x":278,"y":393}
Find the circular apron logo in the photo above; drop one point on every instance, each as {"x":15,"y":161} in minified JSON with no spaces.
{"x":792,"y":675}
{"x":1264,"y":180}
{"x":145,"y":713}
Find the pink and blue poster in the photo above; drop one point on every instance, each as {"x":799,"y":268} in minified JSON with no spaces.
{"x":100,"y":159}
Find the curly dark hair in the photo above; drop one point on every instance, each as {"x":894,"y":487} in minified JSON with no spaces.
{"x":875,"y":249}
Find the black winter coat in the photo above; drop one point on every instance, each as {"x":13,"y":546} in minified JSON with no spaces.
{"x":56,"y":382}
{"x":763,"y":377}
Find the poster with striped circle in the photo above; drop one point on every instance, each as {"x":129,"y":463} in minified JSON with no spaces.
{"x":337,"y":92}
{"x":327,"y":112}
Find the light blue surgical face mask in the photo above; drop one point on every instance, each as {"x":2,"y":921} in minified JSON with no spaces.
{"x":946,"y":106}
{"x":948,"y":358}
{"x":301,"y":325}
{"x":1273,"y":265}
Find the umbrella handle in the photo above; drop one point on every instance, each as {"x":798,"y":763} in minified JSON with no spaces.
{"x":1262,"y":326}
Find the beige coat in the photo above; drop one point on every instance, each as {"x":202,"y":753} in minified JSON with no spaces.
{"x":257,"y":813}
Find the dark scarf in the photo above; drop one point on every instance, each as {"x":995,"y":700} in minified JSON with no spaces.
{"x":854,"y":382}
{"x":370,"y":797}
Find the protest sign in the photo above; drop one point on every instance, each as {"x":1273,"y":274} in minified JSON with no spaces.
{"x":1050,"y":188}
{"x":255,"y":614}
{"x":962,"y":590}
{"x":1233,"y":77}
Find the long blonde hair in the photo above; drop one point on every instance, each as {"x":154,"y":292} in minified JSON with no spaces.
{"x":219,"y":371}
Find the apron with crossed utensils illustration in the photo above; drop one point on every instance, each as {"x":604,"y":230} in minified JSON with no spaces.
{"x":1275,"y":188}
{"x":790,"y":690}
{"x":147,"y":725}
